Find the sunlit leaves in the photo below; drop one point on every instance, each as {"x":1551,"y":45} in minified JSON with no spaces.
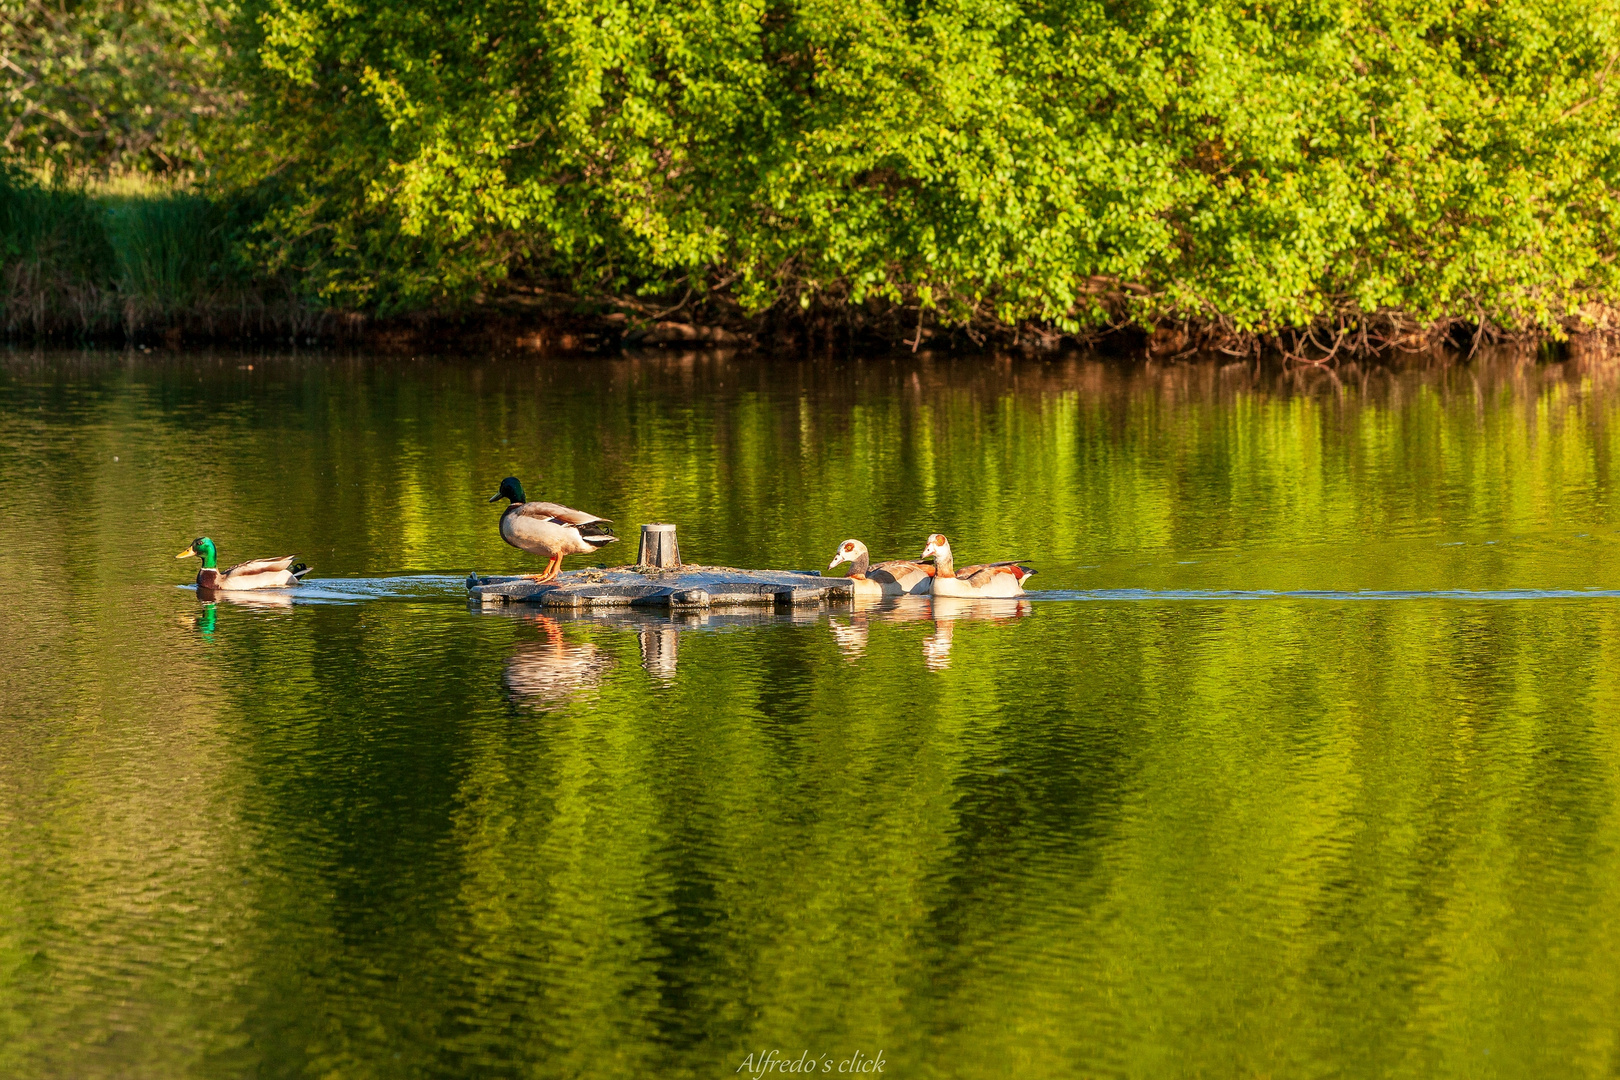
{"x":1269,"y":164}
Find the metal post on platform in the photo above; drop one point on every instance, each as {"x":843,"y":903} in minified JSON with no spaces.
{"x":658,"y":547}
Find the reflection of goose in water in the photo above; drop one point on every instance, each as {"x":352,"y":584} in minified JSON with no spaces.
{"x":556,"y":669}
{"x":851,"y":636}
{"x":937,"y":647}
{"x":949,"y":610}
{"x":866,"y":608}
{"x":943,"y":611}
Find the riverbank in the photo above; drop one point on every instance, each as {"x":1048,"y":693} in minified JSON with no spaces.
{"x":150,"y":263}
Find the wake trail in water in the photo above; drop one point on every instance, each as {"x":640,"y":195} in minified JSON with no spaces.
{"x":443,"y":587}
{"x":1324,"y":594}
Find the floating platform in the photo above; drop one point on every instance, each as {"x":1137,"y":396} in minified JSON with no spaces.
{"x":681,"y":588}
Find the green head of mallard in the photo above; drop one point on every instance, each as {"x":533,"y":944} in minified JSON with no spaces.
{"x":200,"y":546}
{"x":511,"y":490}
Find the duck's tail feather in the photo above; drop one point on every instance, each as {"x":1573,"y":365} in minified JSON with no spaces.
{"x":596,"y":534}
{"x":298,"y":570}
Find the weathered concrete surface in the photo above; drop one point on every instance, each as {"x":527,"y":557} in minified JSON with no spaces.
{"x":687,"y":587}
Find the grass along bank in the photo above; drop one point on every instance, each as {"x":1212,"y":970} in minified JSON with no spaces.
{"x":132,"y":258}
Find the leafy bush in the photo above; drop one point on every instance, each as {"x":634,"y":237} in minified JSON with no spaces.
{"x":97,"y":86}
{"x":1258,"y":165}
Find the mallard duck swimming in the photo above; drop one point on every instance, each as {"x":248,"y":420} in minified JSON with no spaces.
{"x":897,"y":578}
{"x":543,"y":528}
{"x":255,"y":574}
{"x":987,"y":579}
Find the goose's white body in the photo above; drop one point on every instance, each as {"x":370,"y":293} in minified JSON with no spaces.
{"x":996,"y":585}
{"x":987,"y":581}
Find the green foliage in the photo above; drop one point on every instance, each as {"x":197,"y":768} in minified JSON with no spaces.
{"x":1258,"y":166}
{"x":109,"y":85}
{"x":1266,"y":164}
{"x":170,"y":251}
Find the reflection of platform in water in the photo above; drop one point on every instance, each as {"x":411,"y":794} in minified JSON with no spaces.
{"x":658,"y":629}
{"x":686,"y":588}
{"x":553,"y":671}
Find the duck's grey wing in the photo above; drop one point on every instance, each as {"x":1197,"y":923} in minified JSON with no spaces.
{"x":562,"y":515}
{"x":261,"y":566}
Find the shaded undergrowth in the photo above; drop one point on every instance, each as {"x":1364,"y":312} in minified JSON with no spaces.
{"x":80,"y":264}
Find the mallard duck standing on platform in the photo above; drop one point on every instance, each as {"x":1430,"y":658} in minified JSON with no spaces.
{"x":253,"y":574}
{"x":543,"y":528}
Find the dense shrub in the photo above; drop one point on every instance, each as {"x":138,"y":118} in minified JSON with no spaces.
{"x":1258,"y":164}
{"x":99,"y":86}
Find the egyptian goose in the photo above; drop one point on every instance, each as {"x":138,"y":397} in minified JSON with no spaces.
{"x":253,"y":574}
{"x":543,"y":528}
{"x":986,"y":580}
{"x":896,"y":578}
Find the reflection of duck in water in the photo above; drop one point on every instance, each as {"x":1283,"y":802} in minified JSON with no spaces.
{"x":948,"y":611}
{"x":206,"y":619}
{"x":987,"y":579}
{"x":555,"y":670}
{"x":251,"y":599}
{"x":253,"y":574}
{"x":203,"y":622}
{"x":549,"y":529}
{"x":897,"y":577}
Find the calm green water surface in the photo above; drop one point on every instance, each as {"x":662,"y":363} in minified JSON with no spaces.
{"x":1302,"y":761}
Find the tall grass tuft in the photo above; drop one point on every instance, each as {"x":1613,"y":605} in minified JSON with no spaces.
{"x":171,"y":255}
{"x":79,"y":263}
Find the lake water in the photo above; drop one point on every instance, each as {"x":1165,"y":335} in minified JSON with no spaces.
{"x":1301,"y":759}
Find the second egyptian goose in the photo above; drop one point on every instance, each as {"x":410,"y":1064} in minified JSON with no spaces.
{"x":984,"y":580}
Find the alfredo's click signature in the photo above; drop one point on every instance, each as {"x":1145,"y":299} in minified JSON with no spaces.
{"x":775,"y":1061}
